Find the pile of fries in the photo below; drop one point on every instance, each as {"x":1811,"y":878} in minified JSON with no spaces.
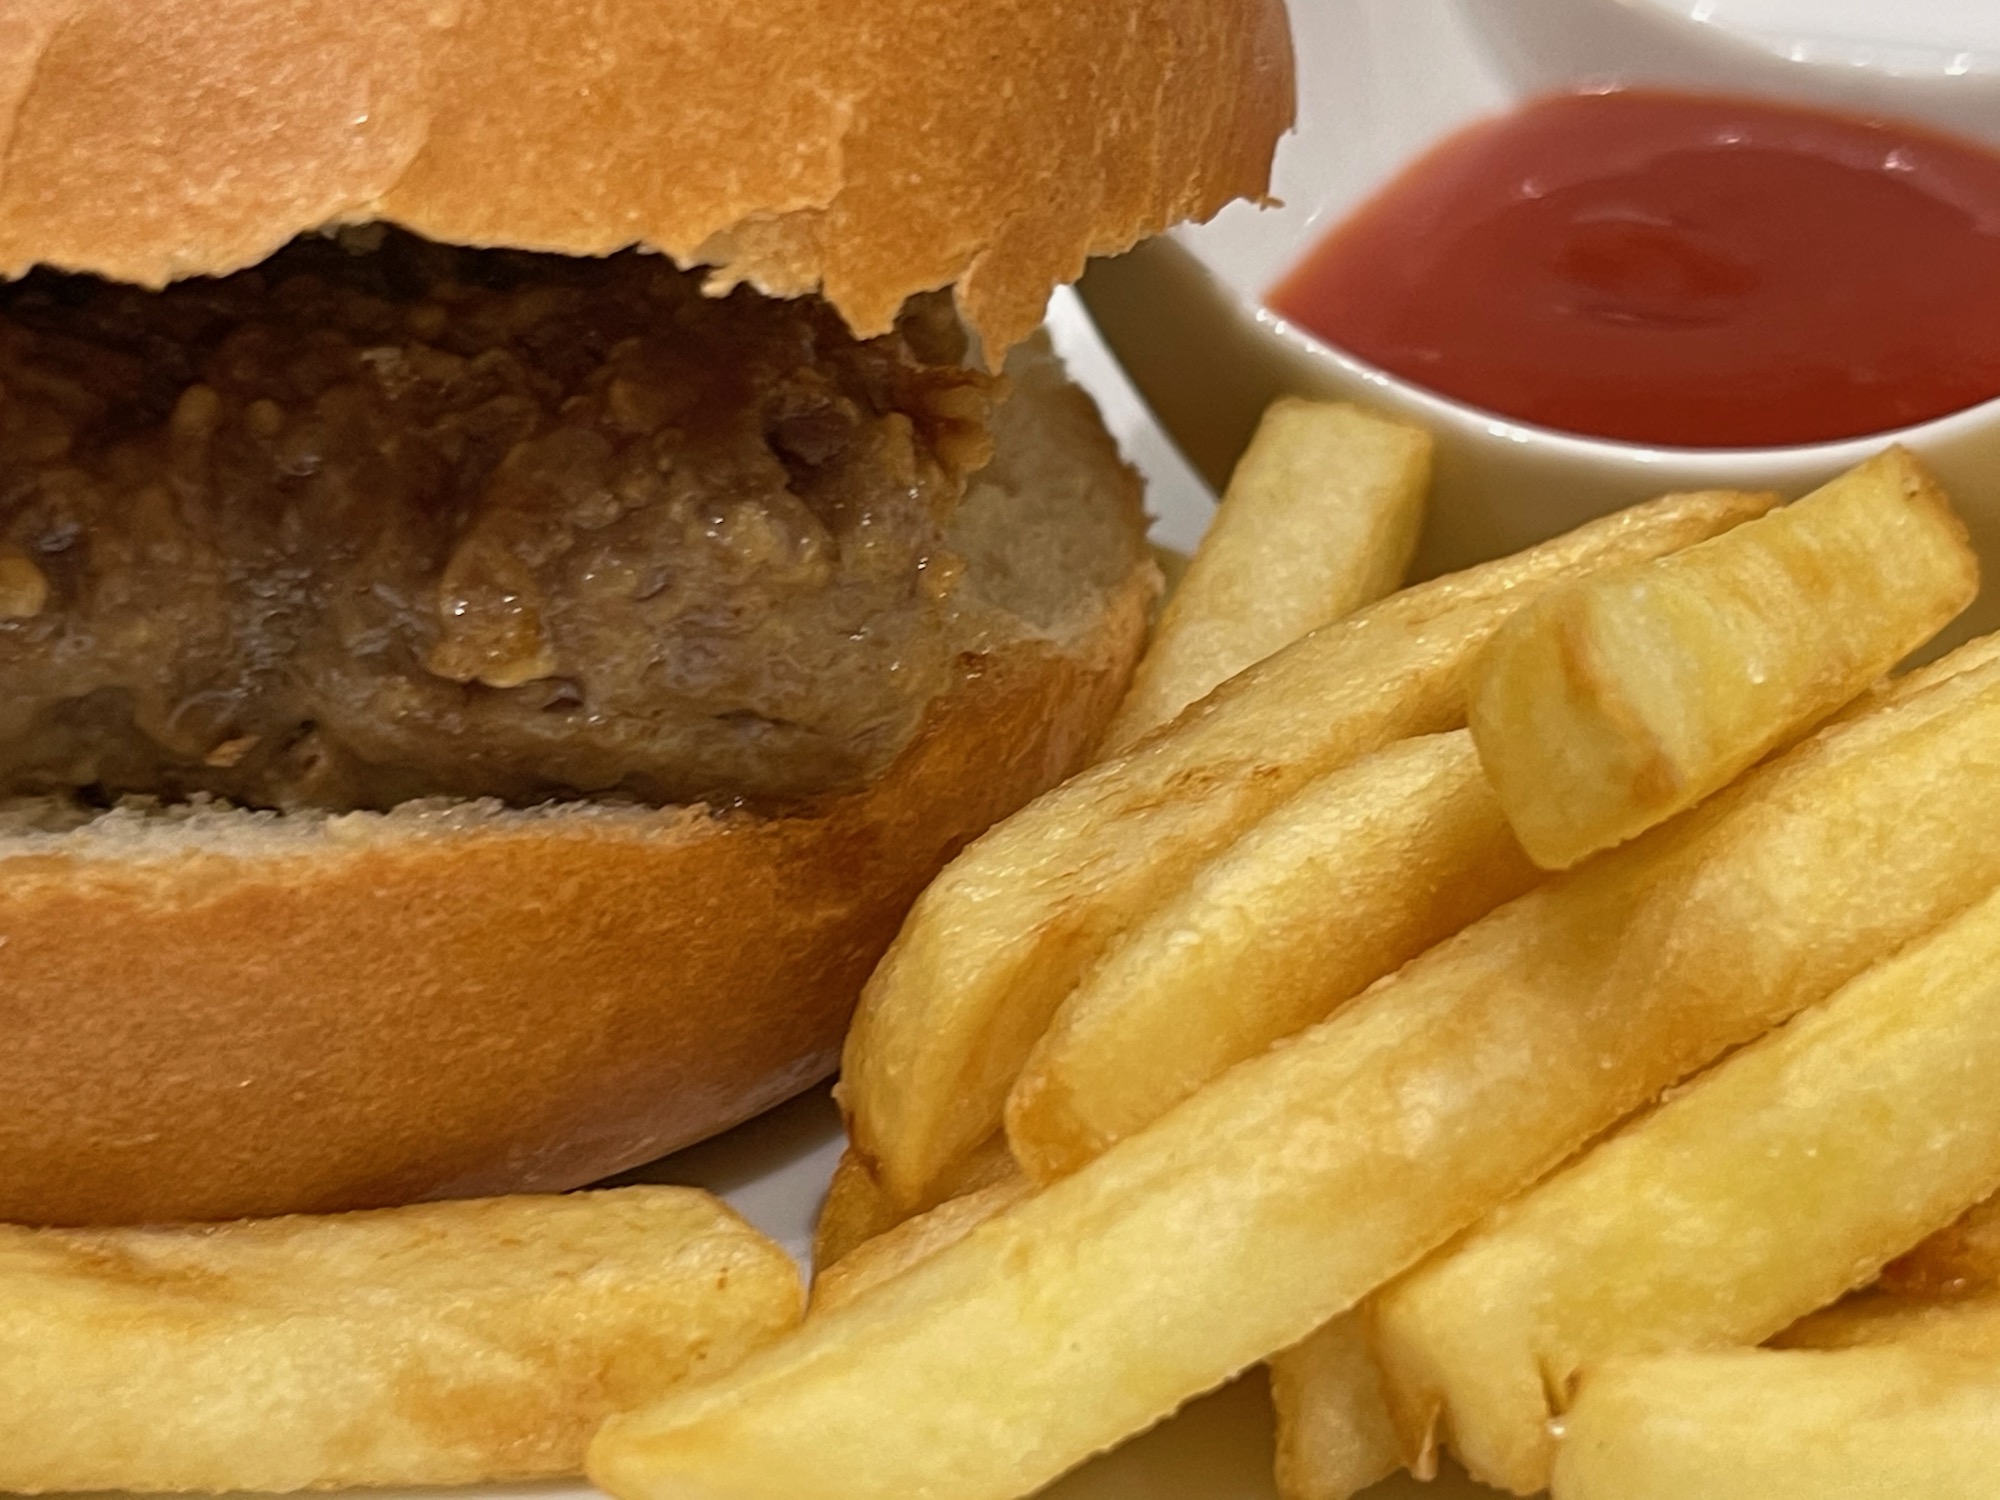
{"x":1502,"y":1005}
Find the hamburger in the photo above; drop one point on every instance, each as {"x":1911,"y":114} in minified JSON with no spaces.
{"x":528,"y":532}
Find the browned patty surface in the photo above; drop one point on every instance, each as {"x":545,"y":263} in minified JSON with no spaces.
{"x":381,"y":519}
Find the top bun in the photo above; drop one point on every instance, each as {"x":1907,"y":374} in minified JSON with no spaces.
{"x":866,"y":149}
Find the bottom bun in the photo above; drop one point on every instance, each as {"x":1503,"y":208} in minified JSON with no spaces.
{"x":214,"y":1014}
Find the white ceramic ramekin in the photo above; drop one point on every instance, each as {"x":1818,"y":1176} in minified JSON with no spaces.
{"x":1383,"y":79}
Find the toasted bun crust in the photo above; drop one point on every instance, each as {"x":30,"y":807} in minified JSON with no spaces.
{"x":214,"y":1014}
{"x":869,"y":148}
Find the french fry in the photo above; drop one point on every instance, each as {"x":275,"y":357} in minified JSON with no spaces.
{"x":1973,"y":654}
{"x":1613,"y":702}
{"x":1889,"y":1423}
{"x":997,"y":941}
{"x":857,"y":1211}
{"x":1320,"y":518}
{"x":1961,"y":1258}
{"x":1334,"y":1435}
{"x":440,"y":1344}
{"x":913,"y":1240}
{"x":1961,"y":1323}
{"x":1303,"y":1179}
{"x":854,"y":1212}
{"x":1351,"y":877}
{"x":1764,"y":1189}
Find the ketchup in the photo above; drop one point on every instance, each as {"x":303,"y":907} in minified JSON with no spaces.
{"x":1677,"y":269}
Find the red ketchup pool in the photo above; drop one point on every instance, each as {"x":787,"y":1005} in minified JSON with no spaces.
{"x":1677,"y":269}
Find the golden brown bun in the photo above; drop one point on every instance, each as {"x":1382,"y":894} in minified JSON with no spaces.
{"x":212,"y":1014}
{"x":870,"y":147}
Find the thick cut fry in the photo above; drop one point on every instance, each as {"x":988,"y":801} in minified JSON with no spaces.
{"x":1613,"y":702}
{"x":1320,"y":518}
{"x":856,"y":1209}
{"x":1974,"y":653}
{"x":1962,"y":1323}
{"x":998,"y":940}
{"x":913,"y":1240}
{"x":1334,"y":1434}
{"x":1765,"y":1189}
{"x":441,"y":1344}
{"x":1301,"y":1180}
{"x":1960,"y":1259}
{"x":1893,"y":1423}
{"x":1356,"y":874}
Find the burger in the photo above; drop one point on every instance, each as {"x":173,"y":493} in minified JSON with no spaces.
{"x":529,"y":530}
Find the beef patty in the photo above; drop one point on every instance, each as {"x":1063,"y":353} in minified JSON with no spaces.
{"x":381,"y":519}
